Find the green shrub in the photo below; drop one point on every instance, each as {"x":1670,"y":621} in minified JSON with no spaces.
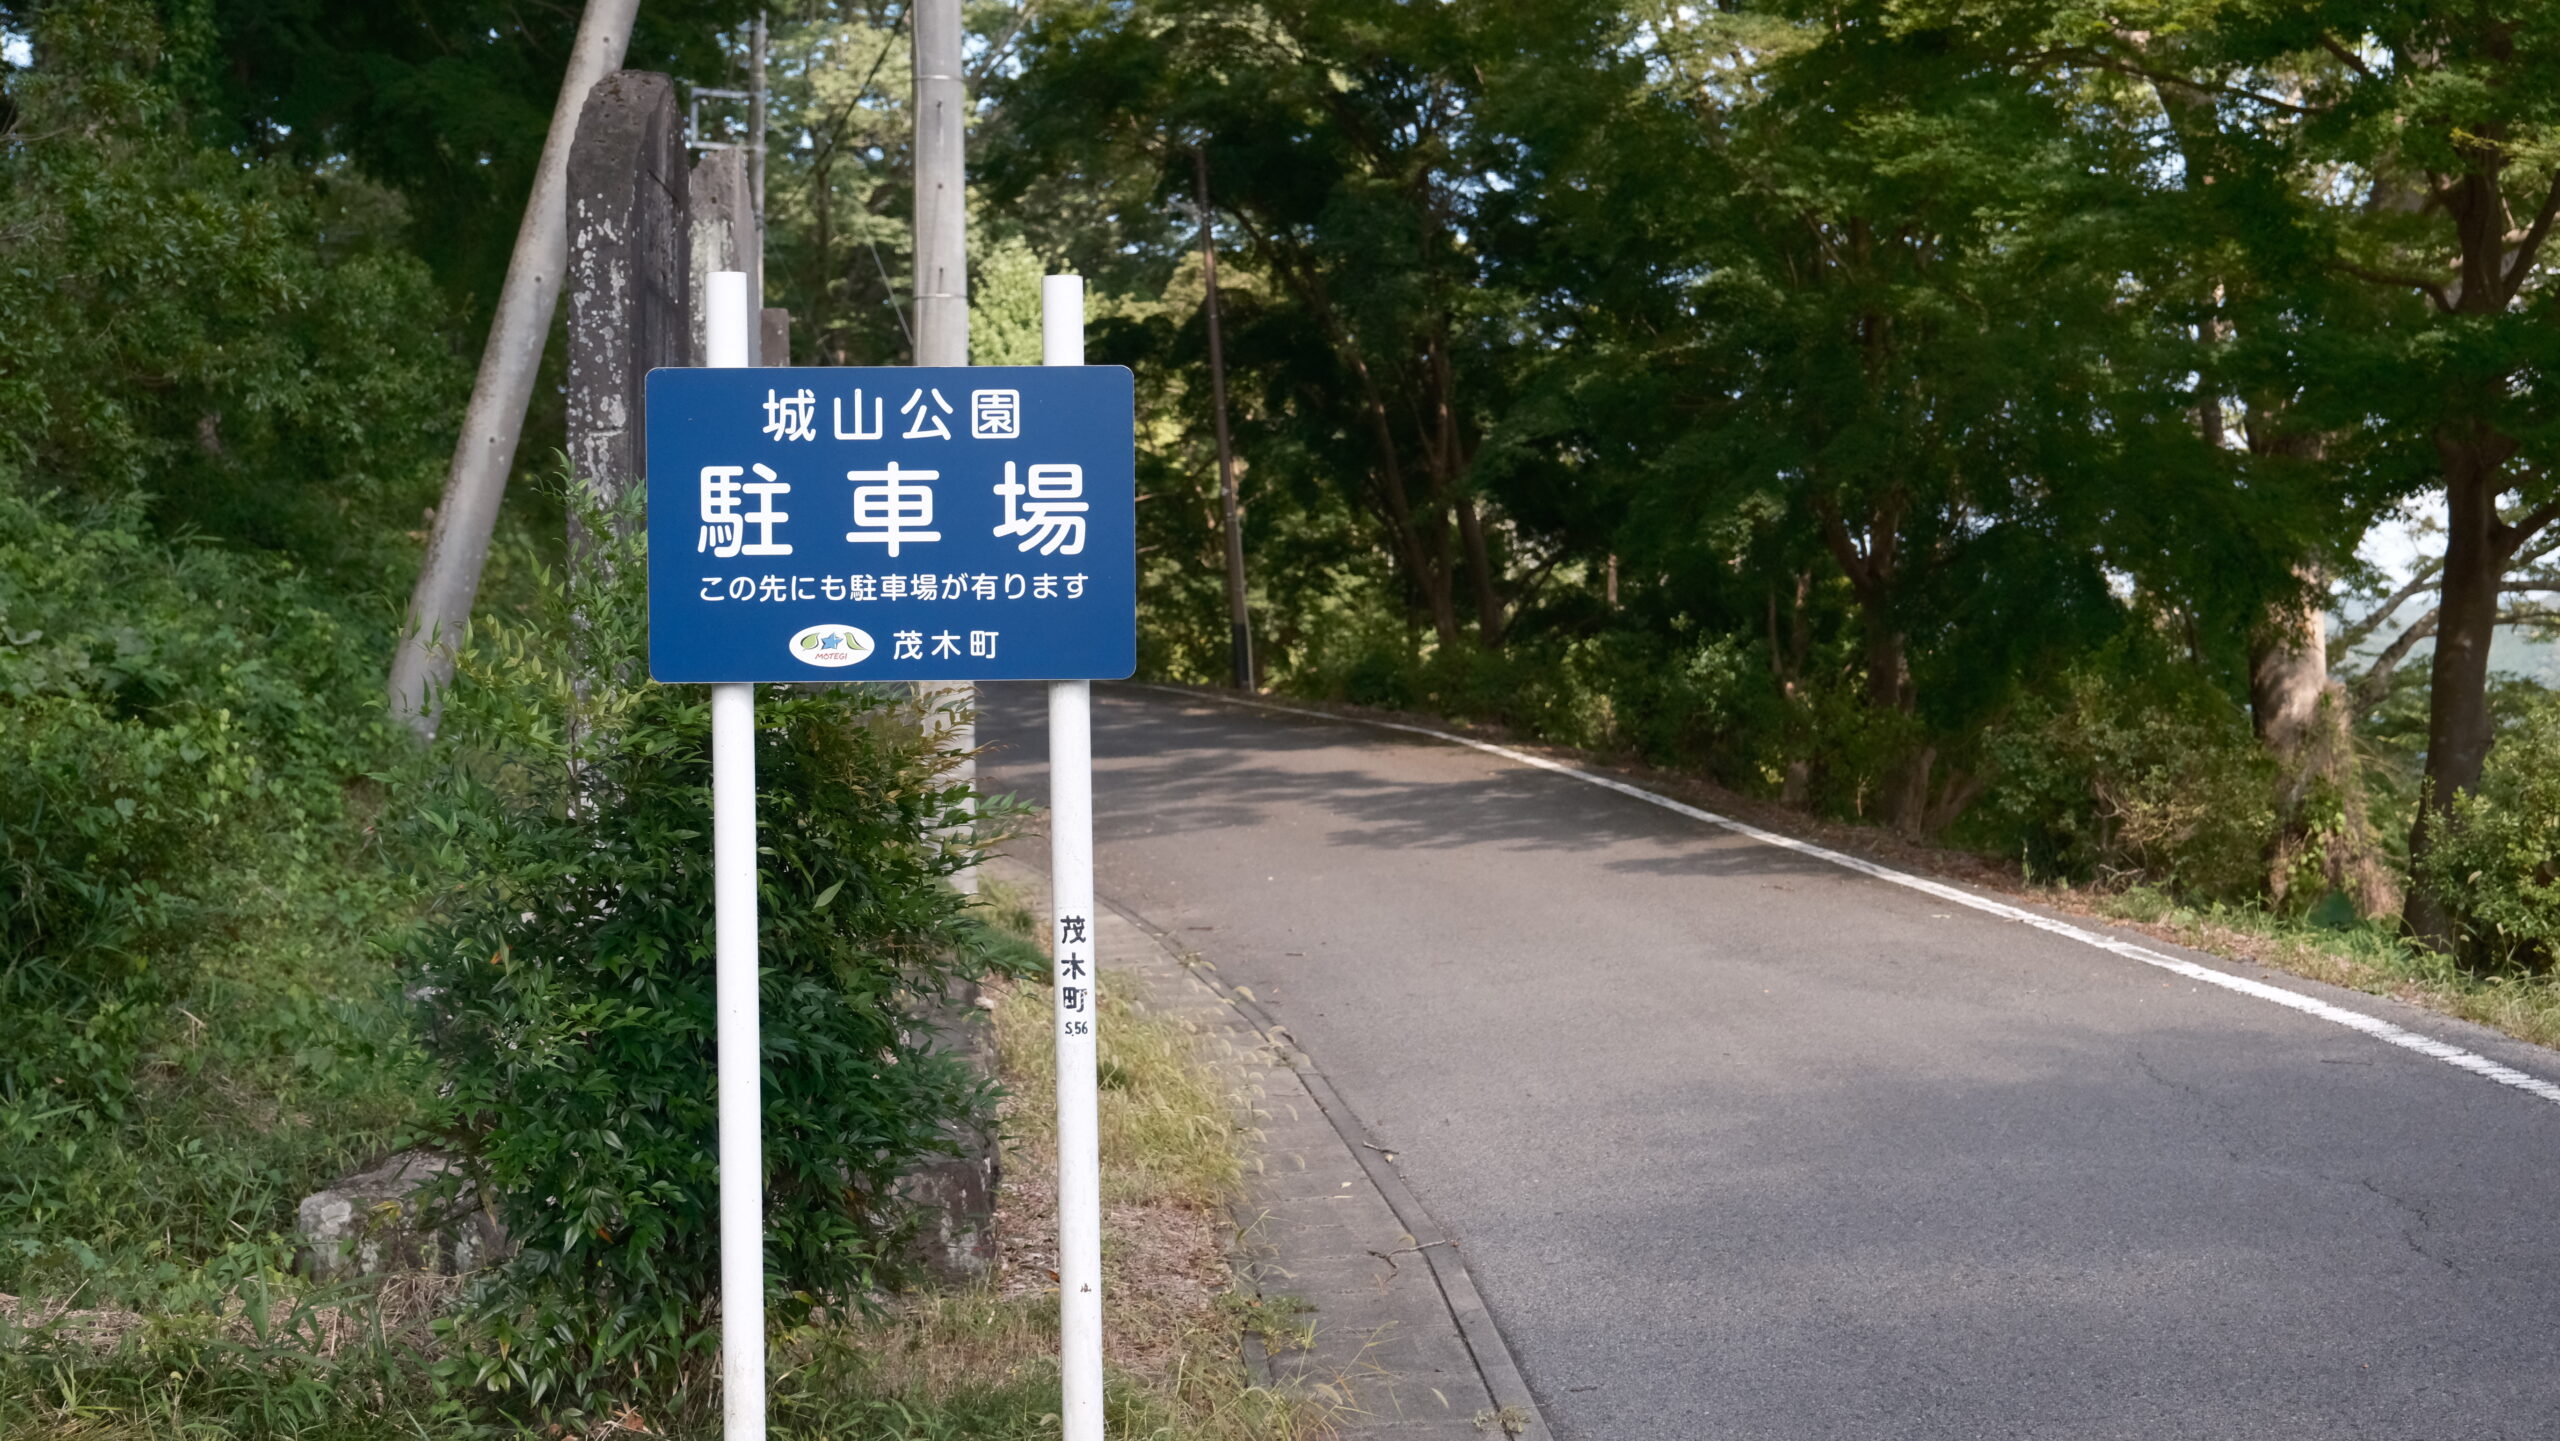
{"x":566,"y":990}
{"x":170,"y":716}
{"x":2132,"y":773}
{"x":2495,"y":861}
{"x":1703,"y":700}
{"x":236,"y":346}
{"x":224,"y":394}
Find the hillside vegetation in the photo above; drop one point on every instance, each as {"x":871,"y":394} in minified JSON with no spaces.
{"x":1963,"y":420}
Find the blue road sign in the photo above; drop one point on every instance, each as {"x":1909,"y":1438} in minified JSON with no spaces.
{"x":909,"y":523}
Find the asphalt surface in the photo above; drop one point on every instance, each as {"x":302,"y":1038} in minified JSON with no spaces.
{"x":1740,"y":1144}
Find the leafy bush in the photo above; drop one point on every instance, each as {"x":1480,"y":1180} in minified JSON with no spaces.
{"x":2495,"y":864}
{"x":240,"y":347}
{"x":565,"y":983}
{"x":168,"y":715}
{"x":2132,"y":772}
{"x":1699,"y":699}
{"x":223,"y":394}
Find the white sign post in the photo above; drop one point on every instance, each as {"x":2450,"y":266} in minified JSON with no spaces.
{"x":1019,"y":487}
{"x":733,"y":869}
{"x":1076,"y":962}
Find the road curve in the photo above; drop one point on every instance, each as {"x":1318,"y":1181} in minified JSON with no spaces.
{"x":1740,"y":1144}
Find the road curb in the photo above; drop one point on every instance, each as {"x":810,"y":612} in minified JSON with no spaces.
{"x":1494,"y":1364}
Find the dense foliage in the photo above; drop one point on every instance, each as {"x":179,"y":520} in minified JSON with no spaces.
{"x":221,"y":395}
{"x":1967,"y":417}
{"x":2498,"y":864}
{"x":228,"y":380}
{"x":1942,"y":415}
{"x":564,"y":985}
{"x":246,"y":351}
{"x":123,"y":750}
{"x":183,"y":731}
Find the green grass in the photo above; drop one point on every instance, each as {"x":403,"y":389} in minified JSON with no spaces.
{"x":983,"y":1367}
{"x":163,"y":1225}
{"x":1168,"y":1131}
{"x":281,"y":1062}
{"x":2369,"y":956}
{"x":287,"y":1063}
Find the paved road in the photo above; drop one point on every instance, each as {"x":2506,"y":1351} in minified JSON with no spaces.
{"x":1743,"y":1145}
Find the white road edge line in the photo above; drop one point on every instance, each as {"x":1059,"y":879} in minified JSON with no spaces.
{"x":2374,"y":1026}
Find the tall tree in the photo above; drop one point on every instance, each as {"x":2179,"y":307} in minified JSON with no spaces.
{"x":446,"y":103}
{"x":1358,"y":151}
{"x":243,"y":351}
{"x":2234,"y":301}
{"x":1935,"y":388}
{"x":2434,"y":133}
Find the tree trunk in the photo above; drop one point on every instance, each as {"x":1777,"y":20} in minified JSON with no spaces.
{"x":1903,"y":790}
{"x":1230,"y":512}
{"x":2288,"y":673}
{"x":1444,"y":574}
{"x":2305,"y":721}
{"x":2475,"y":561}
{"x":1445,"y":452}
{"x":1888,"y":665}
{"x":1429,"y":581}
{"x":1903,"y":798}
{"x":1425,"y":557}
{"x":1434,"y":581}
{"x":1786,"y":663}
{"x":1480,"y":571}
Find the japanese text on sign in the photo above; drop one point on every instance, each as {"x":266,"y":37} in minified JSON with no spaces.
{"x":1075,"y":991}
{"x":1002,"y":499}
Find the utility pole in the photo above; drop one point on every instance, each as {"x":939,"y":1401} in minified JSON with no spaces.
{"x":942,"y":274}
{"x":755,"y":128}
{"x":466,"y":517}
{"x":1239,"y":620}
{"x":942,"y":208}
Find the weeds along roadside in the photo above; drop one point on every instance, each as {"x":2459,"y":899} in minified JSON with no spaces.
{"x":197,"y":1023}
{"x":1172,"y":1138}
{"x":2366,"y":956}
{"x":147,"y":1261}
{"x":277,"y":1361}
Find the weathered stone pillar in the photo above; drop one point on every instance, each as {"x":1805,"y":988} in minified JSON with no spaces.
{"x":630,"y":280}
{"x":722,"y":235}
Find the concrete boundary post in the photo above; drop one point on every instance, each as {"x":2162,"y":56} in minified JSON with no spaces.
{"x":630,"y":277}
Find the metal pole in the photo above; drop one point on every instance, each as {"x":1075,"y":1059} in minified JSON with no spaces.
{"x":1239,"y":620}
{"x":942,"y":280}
{"x":1077,"y":966}
{"x":741,"y":1086}
{"x":458,"y":542}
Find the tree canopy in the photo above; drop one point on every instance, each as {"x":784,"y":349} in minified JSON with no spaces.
{"x":1891,"y":364}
